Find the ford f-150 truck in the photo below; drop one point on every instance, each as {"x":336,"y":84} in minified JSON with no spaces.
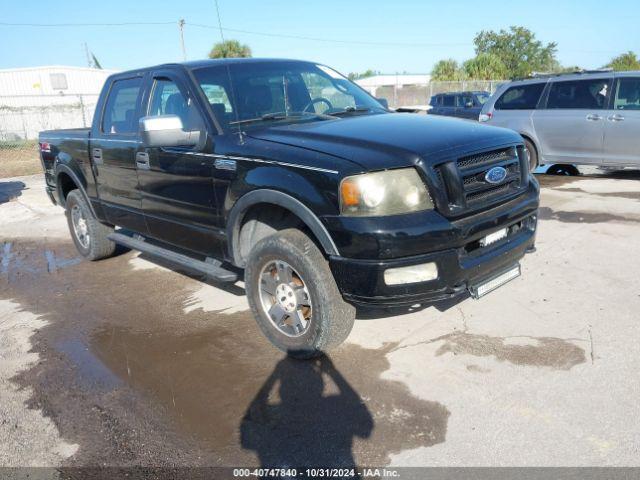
{"x":287,"y":173}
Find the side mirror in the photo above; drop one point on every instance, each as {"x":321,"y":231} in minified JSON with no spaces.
{"x":468,"y":105}
{"x":166,"y":131}
{"x":383,"y":102}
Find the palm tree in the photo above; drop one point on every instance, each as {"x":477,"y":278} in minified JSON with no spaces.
{"x":230,"y":49}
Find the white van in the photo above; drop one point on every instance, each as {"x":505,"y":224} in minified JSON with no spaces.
{"x":590,"y":118}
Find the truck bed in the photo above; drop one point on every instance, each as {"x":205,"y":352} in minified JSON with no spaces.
{"x":79,"y":133}
{"x":73,"y":142}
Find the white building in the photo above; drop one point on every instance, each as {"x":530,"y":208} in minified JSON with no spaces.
{"x":371,"y":84}
{"x":40,"y":98}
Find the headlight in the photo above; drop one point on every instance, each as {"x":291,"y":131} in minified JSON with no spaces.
{"x":384,"y":193}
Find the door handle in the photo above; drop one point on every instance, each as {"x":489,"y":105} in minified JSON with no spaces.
{"x":96,"y":154}
{"x":592,"y":117}
{"x":615,"y":118}
{"x":142,"y":161}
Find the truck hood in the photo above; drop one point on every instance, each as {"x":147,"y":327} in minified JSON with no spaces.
{"x":381,"y":141}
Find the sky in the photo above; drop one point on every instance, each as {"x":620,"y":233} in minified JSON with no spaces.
{"x":391,"y":36}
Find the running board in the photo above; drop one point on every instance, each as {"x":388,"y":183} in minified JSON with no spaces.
{"x":209,"y":267}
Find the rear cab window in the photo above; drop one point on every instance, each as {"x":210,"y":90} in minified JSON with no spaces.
{"x":520,"y":97}
{"x":120,"y":110}
{"x":587,"y":94}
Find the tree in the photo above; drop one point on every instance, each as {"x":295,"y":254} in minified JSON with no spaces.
{"x":447,"y":70}
{"x":518,"y":50}
{"x":485,"y":66}
{"x":367,"y":73}
{"x":626,"y":61}
{"x":230,"y":49}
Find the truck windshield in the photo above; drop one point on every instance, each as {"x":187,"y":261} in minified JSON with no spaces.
{"x":255,"y":93}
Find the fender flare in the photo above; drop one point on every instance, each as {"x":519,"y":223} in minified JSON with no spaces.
{"x":237,"y":213}
{"x":62,"y":168}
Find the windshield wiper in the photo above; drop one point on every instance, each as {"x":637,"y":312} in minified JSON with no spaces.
{"x":281,"y":116}
{"x":349,"y":110}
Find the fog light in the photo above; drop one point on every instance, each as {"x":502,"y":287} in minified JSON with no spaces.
{"x":411,"y":274}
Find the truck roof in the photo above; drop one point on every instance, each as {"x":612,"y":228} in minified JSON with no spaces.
{"x":194,"y":64}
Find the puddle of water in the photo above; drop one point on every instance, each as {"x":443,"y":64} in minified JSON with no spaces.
{"x":546,"y":213}
{"x":209,"y":378}
{"x":629,"y":195}
{"x":241,"y":397}
{"x":90,"y":370}
{"x":544,"y":352}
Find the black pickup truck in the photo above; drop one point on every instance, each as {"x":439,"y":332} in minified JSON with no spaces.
{"x":286,"y":172}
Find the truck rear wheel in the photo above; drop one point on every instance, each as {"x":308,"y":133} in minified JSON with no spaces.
{"x":89,"y":235}
{"x":294,"y":297}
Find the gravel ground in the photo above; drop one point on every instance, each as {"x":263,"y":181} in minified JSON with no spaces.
{"x":127,"y":362}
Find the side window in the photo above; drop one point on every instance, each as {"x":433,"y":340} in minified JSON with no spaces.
{"x":168,"y":99}
{"x":464,"y":99}
{"x":521,"y":97}
{"x":449,"y":101}
{"x":120,"y":109}
{"x":628,"y":94}
{"x":578,"y":94}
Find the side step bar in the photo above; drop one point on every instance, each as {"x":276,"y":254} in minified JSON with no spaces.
{"x":209,"y":268}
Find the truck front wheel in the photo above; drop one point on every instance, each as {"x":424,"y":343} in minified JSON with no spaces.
{"x":294,"y":297}
{"x":89,"y":235}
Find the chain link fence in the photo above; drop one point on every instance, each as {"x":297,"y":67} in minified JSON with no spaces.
{"x":413,"y":95}
{"x":23,"y":116}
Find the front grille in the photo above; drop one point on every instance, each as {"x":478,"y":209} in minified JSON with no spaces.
{"x":466,"y":186}
{"x":483,"y":195}
{"x":485,"y":158}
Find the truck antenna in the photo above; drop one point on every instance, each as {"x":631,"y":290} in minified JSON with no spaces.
{"x":233,"y":95}
{"x":184,"y":50}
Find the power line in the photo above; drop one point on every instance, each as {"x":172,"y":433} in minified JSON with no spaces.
{"x":331,"y":40}
{"x":269,"y":34}
{"x":115,"y":24}
{"x":235,"y":30}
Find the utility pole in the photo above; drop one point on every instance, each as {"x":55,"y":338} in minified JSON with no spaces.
{"x":181,"y":27}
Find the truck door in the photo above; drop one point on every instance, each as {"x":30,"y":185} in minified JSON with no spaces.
{"x":177,"y":182}
{"x":621,"y":139}
{"x":113,"y":145}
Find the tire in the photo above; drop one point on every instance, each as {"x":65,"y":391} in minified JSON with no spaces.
{"x":563,"y":169}
{"x":533,"y":154}
{"x":305,"y":332}
{"x":94,"y":244}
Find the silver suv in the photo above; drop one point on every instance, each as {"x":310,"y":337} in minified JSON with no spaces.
{"x":590,"y":118}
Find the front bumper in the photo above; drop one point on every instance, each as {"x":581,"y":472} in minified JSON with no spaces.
{"x":465,"y":264}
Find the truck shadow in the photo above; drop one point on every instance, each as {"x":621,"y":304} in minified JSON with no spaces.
{"x":305,"y":426}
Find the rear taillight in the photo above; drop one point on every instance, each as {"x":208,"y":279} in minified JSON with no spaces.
{"x":45,"y":147}
{"x":485,"y":117}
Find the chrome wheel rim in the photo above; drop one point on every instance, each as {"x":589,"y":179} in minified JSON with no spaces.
{"x":80,"y":227}
{"x":285,"y":298}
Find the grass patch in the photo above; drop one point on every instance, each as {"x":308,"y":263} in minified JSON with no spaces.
{"x":19,"y":158}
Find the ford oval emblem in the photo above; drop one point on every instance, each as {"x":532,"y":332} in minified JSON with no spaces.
{"x":496,"y":175}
